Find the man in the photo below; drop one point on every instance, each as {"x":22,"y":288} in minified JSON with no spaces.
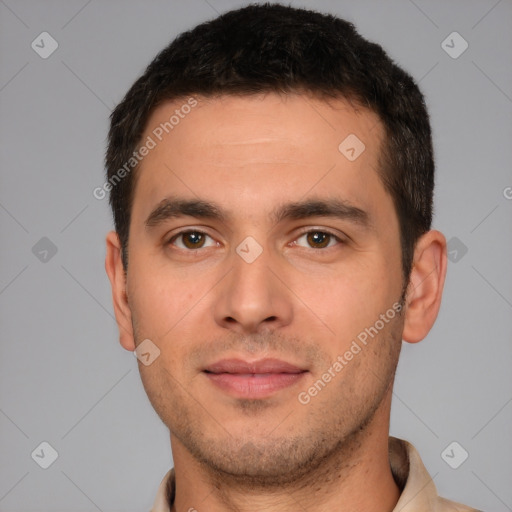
{"x":271,"y":179}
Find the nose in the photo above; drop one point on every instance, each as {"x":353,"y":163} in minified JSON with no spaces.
{"x":252,"y":298}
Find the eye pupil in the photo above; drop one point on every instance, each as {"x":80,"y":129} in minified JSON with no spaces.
{"x":318,"y":239}
{"x":193,"y":240}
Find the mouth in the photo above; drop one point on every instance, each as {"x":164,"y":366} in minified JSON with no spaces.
{"x":251,"y":380}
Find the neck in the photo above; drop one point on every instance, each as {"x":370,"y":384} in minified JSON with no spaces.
{"x":355,"y":477}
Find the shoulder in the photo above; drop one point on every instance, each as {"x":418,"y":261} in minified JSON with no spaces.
{"x":418,"y":491}
{"x":450,"y":506}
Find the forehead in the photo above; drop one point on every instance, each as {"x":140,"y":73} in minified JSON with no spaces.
{"x":261,"y":147}
{"x":287,"y":118}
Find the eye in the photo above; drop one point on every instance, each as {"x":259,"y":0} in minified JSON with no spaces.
{"x":191,"y":239}
{"x":318,"y":239}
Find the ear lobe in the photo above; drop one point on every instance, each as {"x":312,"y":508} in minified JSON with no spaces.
{"x":116,"y":274}
{"x":426,"y":284}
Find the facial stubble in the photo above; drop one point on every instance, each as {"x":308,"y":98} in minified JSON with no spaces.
{"x":297,"y":440}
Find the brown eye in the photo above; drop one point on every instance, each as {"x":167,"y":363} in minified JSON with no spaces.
{"x":318,"y":239}
{"x":191,"y":240}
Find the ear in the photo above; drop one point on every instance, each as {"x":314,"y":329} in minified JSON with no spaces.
{"x":425,"y":286}
{"x":117,"y":277}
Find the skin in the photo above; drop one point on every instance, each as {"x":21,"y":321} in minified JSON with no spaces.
{"x":297,"y":302}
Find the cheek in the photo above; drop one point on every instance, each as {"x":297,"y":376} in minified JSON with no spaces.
{"x":158,"y":300}
{"x":348,"y":300}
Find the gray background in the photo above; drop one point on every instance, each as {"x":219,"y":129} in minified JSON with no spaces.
{"x":64,"y":377}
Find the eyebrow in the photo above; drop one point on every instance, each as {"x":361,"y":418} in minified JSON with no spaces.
{"x":336,"y":208}
{"x":172,"y":207}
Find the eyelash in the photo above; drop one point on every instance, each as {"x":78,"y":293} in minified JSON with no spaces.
{"x":300,"y":235}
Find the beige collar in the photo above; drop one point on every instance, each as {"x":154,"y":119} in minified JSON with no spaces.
{"x":419,"y":493}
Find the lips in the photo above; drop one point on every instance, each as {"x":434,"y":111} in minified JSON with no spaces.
{"x":256,"y":379}
{"x":263,"y":366}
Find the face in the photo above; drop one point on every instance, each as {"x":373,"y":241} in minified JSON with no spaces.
{"x":265,"y":265}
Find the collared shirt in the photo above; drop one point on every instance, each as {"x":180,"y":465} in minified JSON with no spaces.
{"x":418,"y":492}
